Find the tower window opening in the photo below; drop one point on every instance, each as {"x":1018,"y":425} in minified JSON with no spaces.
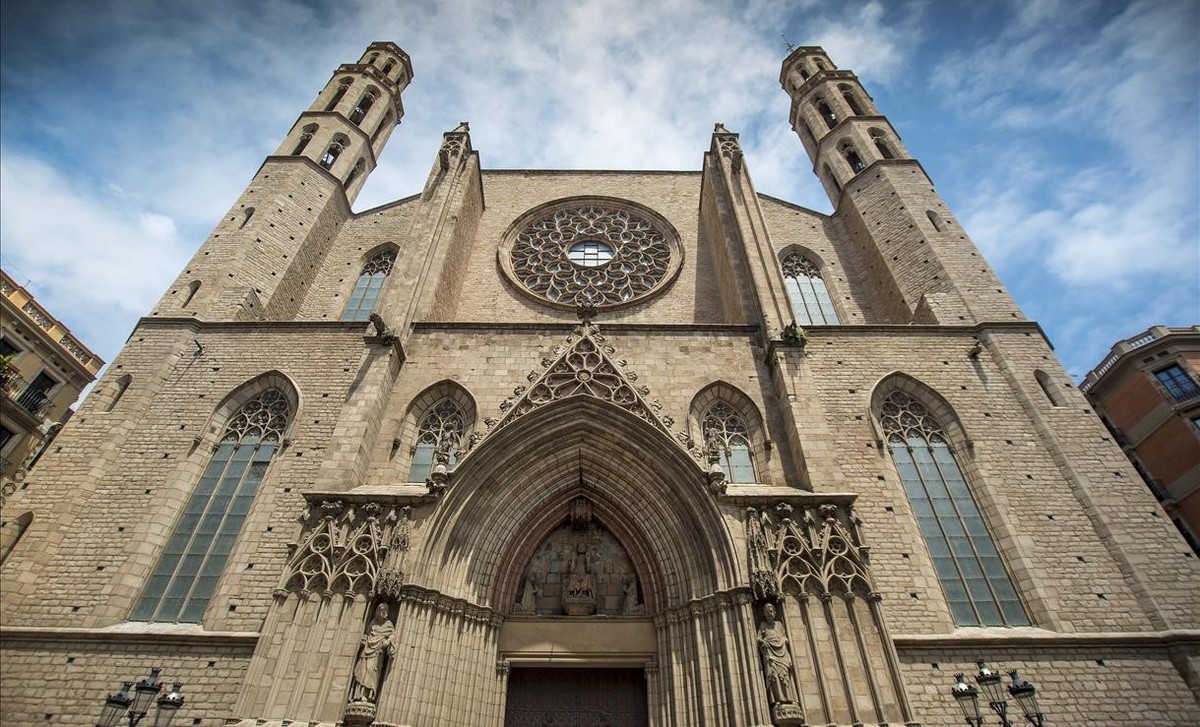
{"x":363,"y":106}
{"x":187,"y":572}
{"x":359,"y":166}
{"x":303,"y":143}
{"x":1048,"y":389}
{"x":372,"y":58}
{"x":193,"y":287}
{"x":853,"y":159}
{"x":804,"y":73}
{"x":828,"y":174}
{"x":337,"y":97}
{"x":246,"y":215}
{"x":809,"y":296}
{"x":934,"y":220}
{"x":368,"y":286}
{"x":442,"y":427}
{"x":820,"y":64}
{"x":974,"y":579}
{"x":852,"y":100}
{"x":725,"y":430}
{"x":336,"y":147}
{"x":881,"y":144}
{"x":831,"y":118}
{"x":383,"y":124}
{"x":387,"y":67}
{"x":118,"y":391}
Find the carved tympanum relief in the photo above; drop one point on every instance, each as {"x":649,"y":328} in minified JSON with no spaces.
{"x":580,"y":569}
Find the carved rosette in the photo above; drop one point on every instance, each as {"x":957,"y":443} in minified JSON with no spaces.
{"x":345,"y":546}
{"x":816,"y":550}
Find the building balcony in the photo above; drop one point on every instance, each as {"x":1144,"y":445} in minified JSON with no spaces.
{"x":32,"y":399}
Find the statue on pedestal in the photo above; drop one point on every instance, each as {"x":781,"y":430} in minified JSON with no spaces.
{"x":376,"y":643}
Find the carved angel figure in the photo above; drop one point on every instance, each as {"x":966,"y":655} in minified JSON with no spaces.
{"x":776,"y":657}
{"x":368,"y":670}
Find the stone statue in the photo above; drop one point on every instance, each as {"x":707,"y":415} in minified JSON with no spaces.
{"x":368,"y":670}
{"x":579,"y":580}
{"x":776,"y":658}
{"x":579,"y":595}
{"x":530,"y":595}
{"x":631,"y":605}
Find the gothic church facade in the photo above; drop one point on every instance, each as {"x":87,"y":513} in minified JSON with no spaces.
{"x":575,"y":447}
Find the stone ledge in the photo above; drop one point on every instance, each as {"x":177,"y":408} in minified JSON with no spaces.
{"x":1027,"y":636}
{"x":131,"y":633}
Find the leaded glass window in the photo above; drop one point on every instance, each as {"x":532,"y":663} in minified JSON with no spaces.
{"x":806,"y":289}
{"x":186,"y":574}
{"x":442,"y":426}
{"x":725,"y":429}
{"x":973,"y":576}
{"x":370,"y":282}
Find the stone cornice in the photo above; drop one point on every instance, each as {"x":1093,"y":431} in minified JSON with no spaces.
{"x":1001,"y":638}
{"x":130,"y":633}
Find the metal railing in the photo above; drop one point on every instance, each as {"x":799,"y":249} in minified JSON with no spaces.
{"x":31,"y":398}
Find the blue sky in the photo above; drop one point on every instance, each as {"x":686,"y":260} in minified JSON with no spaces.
{"x":1064,"y":135}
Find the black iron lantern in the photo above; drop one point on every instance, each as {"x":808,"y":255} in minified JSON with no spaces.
{"x":967,"y":698}
{"x":1026,"y":696}
{"x":122,"y":706}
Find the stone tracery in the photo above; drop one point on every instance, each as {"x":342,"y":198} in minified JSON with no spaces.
{"x":642,"y":255}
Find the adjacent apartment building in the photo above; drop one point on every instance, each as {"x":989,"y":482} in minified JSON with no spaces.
{"x":43,"y":367}
{"x":1147,"y":391}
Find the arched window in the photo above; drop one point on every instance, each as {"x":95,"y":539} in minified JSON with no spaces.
{"x":806,"y":289}
{"x":246,"y":215}
{"x":1048,"y":387}
{"x":343,"y":86}
{"x":359,"y":166}
{"x":187,"y":572}
{"x":808,"y":130}
{"x":881,"y":143}
{"x":193,"y":288}
{"x":305,"y":137}
{"x":442,"y":426}
{"x":828,"y":174}
{"x":973,"y":577}
{"x":725,"y":430}
{"x":364,"y":105}
{"x":370,"y":282}
{"x":372,"y":58}
{"x":852,"y":158}
{"x":383,"y":124}
{"x":387,"y":67}
{"x":831,"y":118}
{"x":934,"y":220}
{"x":118,"y":391}
{"x":820,"y":64}
{"x":11,"y":533}
{"x":851,"y":100}
{"x":336,"y":147}
{"x":804,"y":72}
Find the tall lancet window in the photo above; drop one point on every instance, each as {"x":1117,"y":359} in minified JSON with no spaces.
{"x":443,"y":425}
{"x":806,"y":289}
{"x":725,"y":429}
{"x":370,"y":281}
{"x":186,"y":575}
{"x":976,"y":583}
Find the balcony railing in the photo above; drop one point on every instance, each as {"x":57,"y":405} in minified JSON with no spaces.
{"x":1184,"y":394}
{"x":32,"y":399}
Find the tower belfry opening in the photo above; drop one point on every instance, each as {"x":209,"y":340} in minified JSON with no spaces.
{"x":640,"y":448}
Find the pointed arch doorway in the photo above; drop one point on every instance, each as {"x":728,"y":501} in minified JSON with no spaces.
{"x":578,"y":639}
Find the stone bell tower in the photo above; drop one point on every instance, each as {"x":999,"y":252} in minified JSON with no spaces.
{"x":924,"y":267}
{"x":257,"y":262}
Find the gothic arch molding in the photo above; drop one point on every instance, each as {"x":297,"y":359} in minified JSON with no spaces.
{"x":243,"y":393}
{"x":647,"y":490}
{"x":927,"y":395}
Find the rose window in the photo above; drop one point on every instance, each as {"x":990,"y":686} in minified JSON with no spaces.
{"x":596,"y":252}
